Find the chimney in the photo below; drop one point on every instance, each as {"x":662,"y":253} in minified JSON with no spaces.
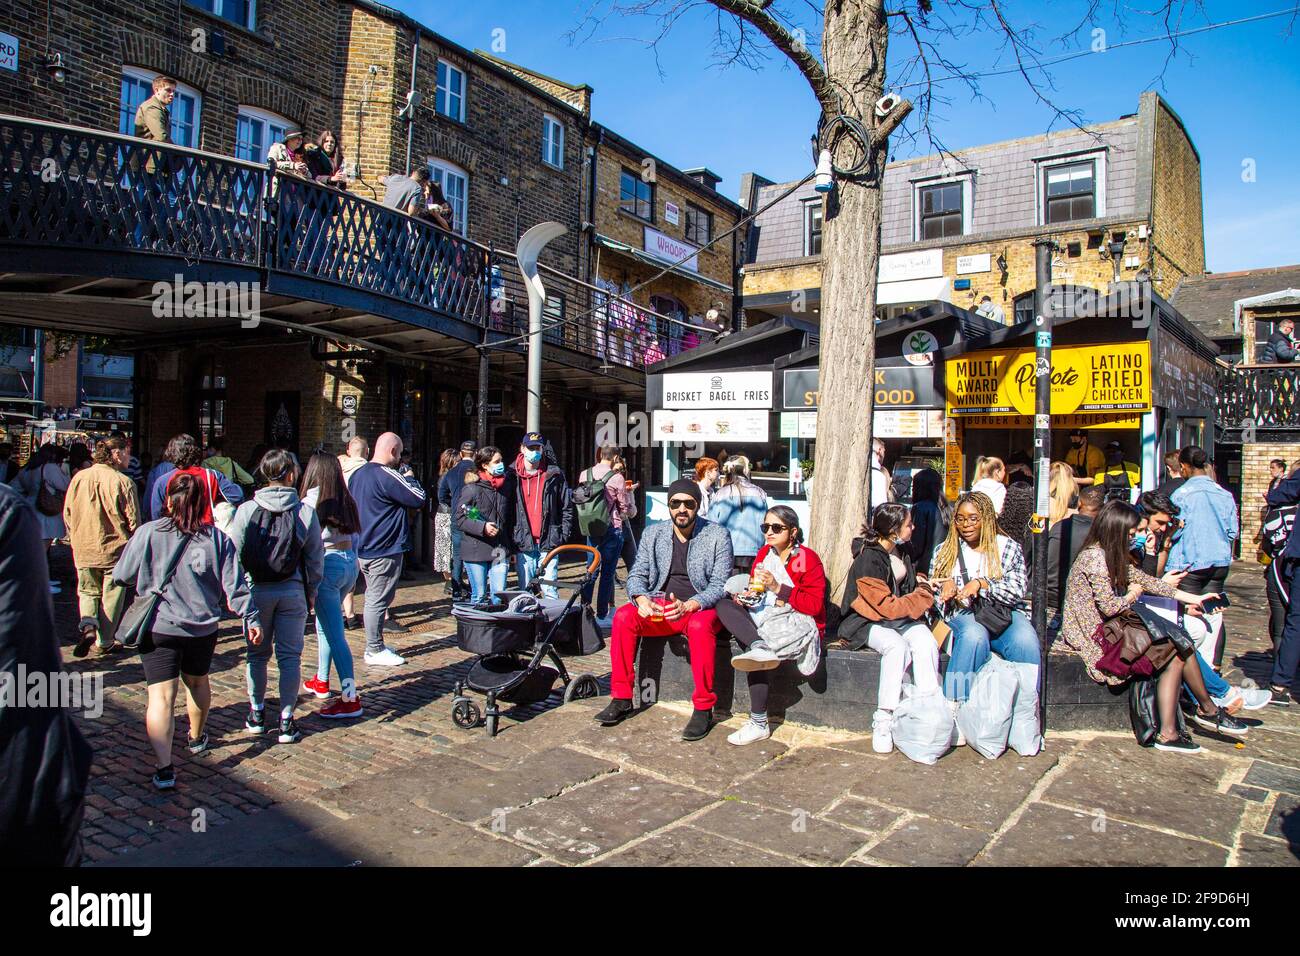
{"x":705,"y":177}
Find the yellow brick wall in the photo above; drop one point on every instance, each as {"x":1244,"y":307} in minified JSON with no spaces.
{"x":1254,"y":483}
{"x":1176,"y":204}
{"x":760,"y":279}
{"x":370,"y":41}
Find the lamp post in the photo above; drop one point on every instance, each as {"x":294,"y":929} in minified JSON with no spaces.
{"x":1043,"y":249}
{"x":530,"y":247}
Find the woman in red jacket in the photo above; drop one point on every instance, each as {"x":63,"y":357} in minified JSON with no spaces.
{"x":786,"y":571}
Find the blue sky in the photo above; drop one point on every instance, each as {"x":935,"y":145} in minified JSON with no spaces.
{"x":1237,"y":94}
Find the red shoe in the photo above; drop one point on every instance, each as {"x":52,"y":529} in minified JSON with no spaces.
{"x":321,"y":688}
{"x":341,"y":709}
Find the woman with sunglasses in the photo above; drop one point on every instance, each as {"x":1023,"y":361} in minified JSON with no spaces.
{"x":789,"y":572}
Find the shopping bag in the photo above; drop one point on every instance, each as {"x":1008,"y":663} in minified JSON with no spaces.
{"x":924,"y":729}
{"x":1025,"y":736}
{"x":985,"y":716}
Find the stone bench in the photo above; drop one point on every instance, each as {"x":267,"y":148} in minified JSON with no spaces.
{"x":842,"y":693}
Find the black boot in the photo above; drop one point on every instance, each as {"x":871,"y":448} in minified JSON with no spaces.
{"x":700,"y":724}
{"x":618,"y":710}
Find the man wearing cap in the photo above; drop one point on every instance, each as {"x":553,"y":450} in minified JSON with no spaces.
{"x":543,"y":515}
{"x":1084,"y":458}
{"x":1121,"y":479}
{"x":686,"y":562}
{"x":449,"y":488}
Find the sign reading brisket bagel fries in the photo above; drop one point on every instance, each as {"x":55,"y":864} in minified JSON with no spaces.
{"x":1115,"y":377}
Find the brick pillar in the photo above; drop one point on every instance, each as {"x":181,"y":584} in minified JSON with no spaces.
{"x":1254,"y":484}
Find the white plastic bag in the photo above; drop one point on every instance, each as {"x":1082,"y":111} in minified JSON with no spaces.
{"x":1026,"y":736}
{"x":923,"y":726}
{"x":985,"y":716}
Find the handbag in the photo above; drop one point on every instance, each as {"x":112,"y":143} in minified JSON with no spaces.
{"x":138,"y":618}
{"x":991,"y":615}
{"x":48,"y":501}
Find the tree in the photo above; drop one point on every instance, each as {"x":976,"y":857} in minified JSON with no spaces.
{"x":848,"y":81}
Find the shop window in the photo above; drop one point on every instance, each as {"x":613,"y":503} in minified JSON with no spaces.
{"x":137,"y":86}
{"x":209,"y":401}
{"x":1024,"y":308}
{"x":812,"y":228}
{"x":699,"y":225}
{"x":449,"y":98}
{"x":940,"y":210}
{"x":1072,"y":190}
{"x":241,"y":12}
{"x":636,"y":196}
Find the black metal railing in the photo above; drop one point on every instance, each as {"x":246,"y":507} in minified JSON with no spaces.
{"x":1265,"y":396}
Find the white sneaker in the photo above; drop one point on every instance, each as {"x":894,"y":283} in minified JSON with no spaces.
{"x":384,"y":658}
{"x":1232,"y":701}
{"x":961,"y":738}
{"x":757,"y":658}
{"x":1255,"y":698}
{"x":882,"y":736}
{"x":749,"y":733}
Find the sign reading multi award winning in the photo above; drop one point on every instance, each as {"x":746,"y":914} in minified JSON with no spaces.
{"x":717,"y":390}
{"x":1115,"y":377}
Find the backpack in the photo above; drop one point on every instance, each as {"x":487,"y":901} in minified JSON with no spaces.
{"x":1277,"y":528}
{"x":592,"y":507}
{"x":271,"y":551}
{"x":1118,"y":487}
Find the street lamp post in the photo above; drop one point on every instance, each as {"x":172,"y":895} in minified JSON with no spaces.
{"x":1043,"y":249}
{"x":530,"y":247}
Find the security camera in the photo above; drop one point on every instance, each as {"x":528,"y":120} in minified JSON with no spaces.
{"x":413,"y":100}
{"x":885,"y":104}
{"x":825,"y":174}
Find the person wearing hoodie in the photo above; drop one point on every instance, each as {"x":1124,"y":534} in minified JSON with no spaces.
{"x":193,"y":587}
{"x":278,"y":538}
{"x":887,"y":593}
{"x":483,"y":514}
{"x":991,"y":481}
{"x":382,"y":497}
{"x":223,"y":464}
{"x":543,"y":509}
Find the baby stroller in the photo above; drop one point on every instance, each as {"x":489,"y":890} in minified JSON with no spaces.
{"x":512,"y":640}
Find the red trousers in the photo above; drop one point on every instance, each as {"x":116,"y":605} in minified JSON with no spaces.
{"x":701,"y":630}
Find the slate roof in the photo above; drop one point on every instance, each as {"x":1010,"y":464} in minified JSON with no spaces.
{"x":1206,"y":301}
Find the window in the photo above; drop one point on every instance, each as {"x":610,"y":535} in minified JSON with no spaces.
{"x":812,"y":228}
{"x":941,"y":210}
{"x":209,"y":401}
{"x":553,"y":313}
{"x":243,"y":12}
{"x":1069,"y":192}
{"x":1024,"y":308}
{"x":636,"y":196}
{"x":552,"y":141}
{"x":449,"y":99}
{"x":699,"y":225}
{"x":255,"y":131}
{"x":455,"y":186}
{"x":137,"y":86}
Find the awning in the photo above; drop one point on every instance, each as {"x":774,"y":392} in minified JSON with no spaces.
{"x":642,"y":256}
{"x":914,"y":290}
{"x":96,"y":404}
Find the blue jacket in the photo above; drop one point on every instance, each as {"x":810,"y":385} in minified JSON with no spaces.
{"x":158,"y":491}
{"x":453,"y":482}
{"x":708,"y":561}
{"x":740,"y":508}
{"x":1287,"y":492}
{"x":1209,"y":516}
{"x":382,"y":497}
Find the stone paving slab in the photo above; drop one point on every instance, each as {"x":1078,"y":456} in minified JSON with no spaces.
{"x":411,"y":836}
{"x":1273,"y":777}
{"x":652,"y":740}
{"x":810,"y":779}
{"x":791,"y":834}
{"x":962,"y":787}
{"x":1053,"y":836}
{"x":1284,"y":821}
{"x":688,"y":846}
{"x":861,"y":815}
{"x":1262,"y":743}
{"x":923,"y":841}
{"x":1170,"y":791}
{"x":602,"y":816}
{"x":1263,"y":851}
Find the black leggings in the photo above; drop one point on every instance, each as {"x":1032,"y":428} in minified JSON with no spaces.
{"x":1276,"y":603}
{"x":1209,"y":581}
{"x":737,"y":622}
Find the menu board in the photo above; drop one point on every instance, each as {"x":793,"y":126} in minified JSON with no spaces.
{"x":743,"y":426}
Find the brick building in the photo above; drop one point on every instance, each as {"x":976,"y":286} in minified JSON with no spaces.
{"x":1123,"y":200}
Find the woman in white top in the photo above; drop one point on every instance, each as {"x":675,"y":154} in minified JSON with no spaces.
{"x":991,"y":480}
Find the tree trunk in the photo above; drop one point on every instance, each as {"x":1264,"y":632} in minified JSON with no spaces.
{"x":853,"y":47}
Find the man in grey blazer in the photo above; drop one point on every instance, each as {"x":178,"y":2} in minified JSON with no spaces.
{"x":687,"y":561}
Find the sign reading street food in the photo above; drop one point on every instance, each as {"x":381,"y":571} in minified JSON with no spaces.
{"x":897,"y":386}
{"x":710,"y":424}
{"x":717,"y":390}
{"x":1115,"y":377}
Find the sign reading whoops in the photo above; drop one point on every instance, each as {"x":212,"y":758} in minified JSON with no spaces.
{"x":1085,"y":378}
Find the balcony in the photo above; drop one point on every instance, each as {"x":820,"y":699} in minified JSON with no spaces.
{"x":1259,"y":398}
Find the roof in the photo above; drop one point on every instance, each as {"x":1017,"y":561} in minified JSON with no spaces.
{"x":800,"y":333}
{"x":613,"y":139}
{"x":1208,"y":301}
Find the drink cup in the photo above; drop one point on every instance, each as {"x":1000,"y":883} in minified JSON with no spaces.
{"x":658,"y":601}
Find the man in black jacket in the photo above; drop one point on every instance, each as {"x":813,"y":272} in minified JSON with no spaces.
{"x":543,"y":512}
{"x":44,"y":761}
{"x":1281,"y":347}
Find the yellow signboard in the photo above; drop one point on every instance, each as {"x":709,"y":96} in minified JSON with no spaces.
{"x":1099,"y":420}
{"x":1115,"y":377}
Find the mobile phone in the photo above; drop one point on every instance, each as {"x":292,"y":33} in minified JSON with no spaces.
{"x":1215,"y":604}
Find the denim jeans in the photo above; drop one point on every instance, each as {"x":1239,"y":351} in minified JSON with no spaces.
{"x":457,"y":565}
{"x":283,"y":610}
{"x":331,"y":643}
{"x":526,"y":567}
{"x":485,"y":580}
{"x":972,"y":643}
{"x":611,"y":548}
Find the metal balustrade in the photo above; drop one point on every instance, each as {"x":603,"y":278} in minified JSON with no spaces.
{"x":1265,"y":396}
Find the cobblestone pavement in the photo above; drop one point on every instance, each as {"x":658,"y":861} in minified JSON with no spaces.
{"x":403,"y":785}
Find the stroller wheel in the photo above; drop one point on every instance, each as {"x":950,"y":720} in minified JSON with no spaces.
{"x":582,"y":687}
{"x":465,"y":713}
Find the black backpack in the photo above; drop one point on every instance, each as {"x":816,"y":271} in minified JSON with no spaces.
{"x":1118,"y":487}
{"x":1277,"y":528}
{"x":271,"y":551}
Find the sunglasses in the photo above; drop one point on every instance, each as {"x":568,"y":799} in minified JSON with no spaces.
{"x":771,"y":528}
{"x":682,"y":504}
